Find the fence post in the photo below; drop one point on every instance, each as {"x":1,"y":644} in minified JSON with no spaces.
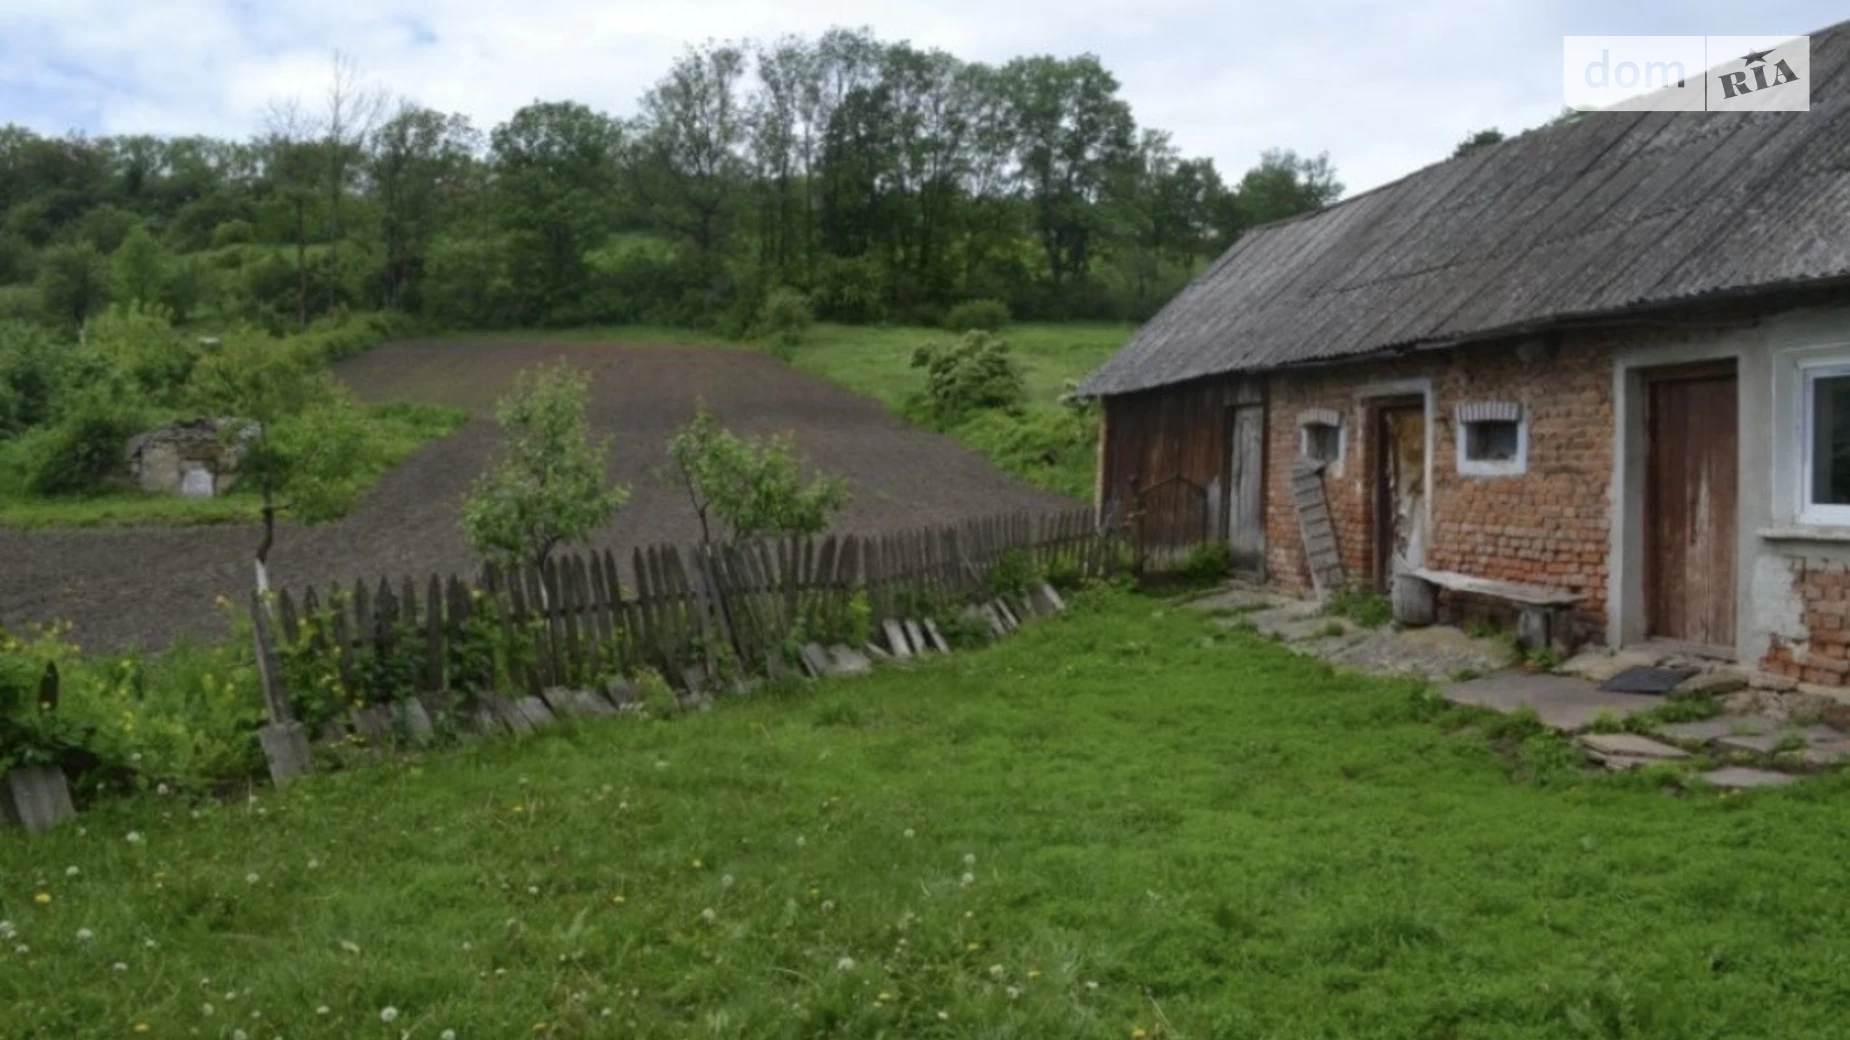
{"x":284,"y":741}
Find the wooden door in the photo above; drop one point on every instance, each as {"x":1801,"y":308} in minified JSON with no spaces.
{"x":1690,"y":508}
{"x":1246,"y":489}
{"x":1399,"y":454}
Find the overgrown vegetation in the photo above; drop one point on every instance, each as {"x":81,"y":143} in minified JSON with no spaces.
{"x":1367,"y":609}
{"x":68,"y":409}
{"x":752,"y":871}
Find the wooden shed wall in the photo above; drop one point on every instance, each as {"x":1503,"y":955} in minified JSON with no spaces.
{"x":1154,"y":436}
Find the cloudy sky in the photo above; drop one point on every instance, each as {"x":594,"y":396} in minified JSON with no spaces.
{"x":1383,"y":88}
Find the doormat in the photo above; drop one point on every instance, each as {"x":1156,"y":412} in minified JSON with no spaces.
{"x":1647,"y":680}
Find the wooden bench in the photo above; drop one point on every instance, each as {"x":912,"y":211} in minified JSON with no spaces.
{"x":1544,"y":615}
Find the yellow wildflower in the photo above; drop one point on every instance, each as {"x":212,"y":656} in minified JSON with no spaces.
{"x":141,"y":1027}
{"x":885,"y":996}
{"x":42,"y":899}
{"x":618,"y":900}
{"x":1139,"y":1033}
{"x":698,"y":864}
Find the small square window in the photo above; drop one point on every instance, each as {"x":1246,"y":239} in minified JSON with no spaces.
{"x":1323,"y":442}
{"x":1493,"y":440}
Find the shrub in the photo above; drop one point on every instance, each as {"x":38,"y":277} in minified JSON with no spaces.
{"x":784,"y":317}
{"x":984,"y":315}
{"x":233,"y":232}
{"x":973,"y":374}
{"x":1207,"y":563}
{"x":84,"y":451}
{"x":754,"y":485}
{"x":139,"y":353}
{"x":551,"y":487}
{"x":34,"y":371}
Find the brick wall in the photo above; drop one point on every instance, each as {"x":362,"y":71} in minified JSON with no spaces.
{"x":1817,"y":648}
{"x":1547,"y":526}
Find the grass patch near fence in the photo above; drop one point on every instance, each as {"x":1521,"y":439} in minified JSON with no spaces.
{"x":1124,"y":819}
{"x":392,"y":433}
{"x":1045,"y":445}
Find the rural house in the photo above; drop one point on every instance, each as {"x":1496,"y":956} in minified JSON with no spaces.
{"x":1603,"y":367}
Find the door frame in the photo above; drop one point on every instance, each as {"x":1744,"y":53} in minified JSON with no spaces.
{"x":1381,"y":504}
{"x":1229,"y":426}
{"x":1627,"y":610}
{"x":1649,"y":379}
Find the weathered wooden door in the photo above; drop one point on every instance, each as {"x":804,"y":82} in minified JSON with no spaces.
{"x":1246,"y":489}
{"x":1399,"y":452}
{"x":1690,"y":508}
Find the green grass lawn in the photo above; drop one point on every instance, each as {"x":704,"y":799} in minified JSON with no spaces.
{"x":1041,"y":446}
{"x":1121,"y":820}
{"x":394,"y":431}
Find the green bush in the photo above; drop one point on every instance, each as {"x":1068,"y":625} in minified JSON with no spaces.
{"x":1207,"y":563}
{"x":83,"y":452}
{"x":975,"y":373}
{"x":784,"y":317}
{"x":984,"y":315}
{"x":34,"y":371}
{"x":233,"y":232}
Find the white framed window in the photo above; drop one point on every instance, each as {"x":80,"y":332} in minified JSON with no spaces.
{"x":1824,"y":444}
{"x":1493,"y":439}
{"x":1320,"y":435}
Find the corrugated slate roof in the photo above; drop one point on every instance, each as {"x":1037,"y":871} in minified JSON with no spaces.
{"x":1607,"y":213}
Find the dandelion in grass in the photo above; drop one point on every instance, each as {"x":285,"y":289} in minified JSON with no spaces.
{"x":22,"y":949}
{"x":801,"y":841}
{"x":969,"y":859}
{"x":251,"y":878}
{"x":134,"y":837}
{"x":388,"y":1014}
{"x":845,"y":964}
{"x":1140,"y":1033}
{"x":1014,"y":993}
{"x":910,"y":833}
{"x":447,"y":1034}
{"x":322,"y":1010}
{"x":967,"y":879}
{"x":85,"y":935}
{"x":139,"y":1028}
{"x":314,"y":864}
{"x":239,"y":1034}
{"x":884,"y":997}
{"x":119,"y":966}
{"x":150,"y":944}
{"x":708,"y":915}
{"x":207,"y":1010}
{"x":1034,"y":973}
{"x":71,"y":872}
{"x":996,"y":971}
{"x":42,"y":899}
{"x":725,"y":881}
{"x":7,"y":931}
{"x":828,"y":906}
{"x":350,"y":946}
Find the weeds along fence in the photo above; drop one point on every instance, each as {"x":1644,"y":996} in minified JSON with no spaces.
{"x":699,"y":616}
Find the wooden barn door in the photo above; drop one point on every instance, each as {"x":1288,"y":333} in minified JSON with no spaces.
{"x":1246,"y":489}
{"x":1399,"y":454}
{"x":1690,"y":505}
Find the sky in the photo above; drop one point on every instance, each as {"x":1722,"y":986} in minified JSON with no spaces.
{"x":1383,"y":88}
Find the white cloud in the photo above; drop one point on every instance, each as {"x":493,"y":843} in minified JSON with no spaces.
{"x":1384,"y":89}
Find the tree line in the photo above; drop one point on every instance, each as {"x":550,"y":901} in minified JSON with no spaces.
{"x":883,"y":181}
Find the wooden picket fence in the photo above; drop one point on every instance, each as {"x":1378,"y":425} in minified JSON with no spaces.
{"x":676,"y":611}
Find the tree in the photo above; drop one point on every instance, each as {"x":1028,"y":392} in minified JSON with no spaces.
{"x":1479,"y":140}
{"x":73,"y":282}
{"x":259,"y":382}
{"x":551,"y":487}
{"x":140,"y":268}
{"x":752,"y":485}
{"x":352,"y":109}
{"x":1284,"y":185}
{"x":555,"y":166}
{"x":420,"y":168}
{"x":689,"y":165}
{"x":291,"y":166}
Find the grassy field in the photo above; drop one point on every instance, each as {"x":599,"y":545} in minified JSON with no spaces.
{"x":1045,"y":446}
{"x":394,"y":432}
{"x":1121,"y":823}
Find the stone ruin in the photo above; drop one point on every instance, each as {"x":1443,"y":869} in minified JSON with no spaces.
{"x":198,"y":458}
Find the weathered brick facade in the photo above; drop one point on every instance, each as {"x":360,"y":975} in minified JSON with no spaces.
{"x":1546,"y":526}
{"x":1815,"y":644}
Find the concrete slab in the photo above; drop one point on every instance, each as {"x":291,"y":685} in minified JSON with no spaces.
{"x":1782,"y":739}
{"x":1238,"y":597}
{"x":1629,"y":744}
{"x":1297,"y":631}
{"x":1705,"y":731}
{"x":1562,"y":702}
{"x":847,"y":661}
{"x":1736,"y":778}
{"x":1438,"y":653}
{"x":1826,"y":753}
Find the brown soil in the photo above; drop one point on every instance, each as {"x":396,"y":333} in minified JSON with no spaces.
{"x":147,"y":586}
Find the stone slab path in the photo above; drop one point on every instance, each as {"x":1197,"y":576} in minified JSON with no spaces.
{"x":1562,"y":702}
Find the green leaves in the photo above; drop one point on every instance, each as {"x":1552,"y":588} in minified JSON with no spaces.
{"x":976,"y":373}
{"x":551,"y":486}
{"x":754,"y":485}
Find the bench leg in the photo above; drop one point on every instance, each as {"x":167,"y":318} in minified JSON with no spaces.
{"x":1416,"y":601}
{"x":1532,"y":628}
